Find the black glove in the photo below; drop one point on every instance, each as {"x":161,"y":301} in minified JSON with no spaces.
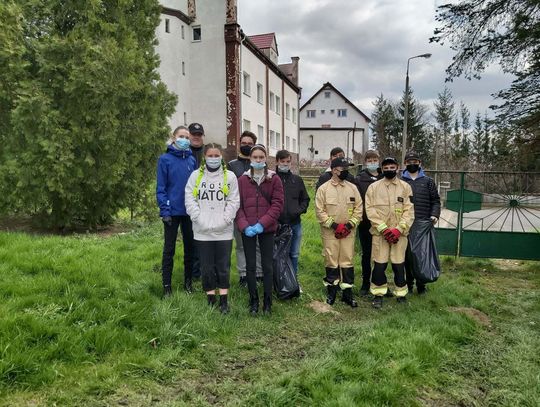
{"x":167,"y":220}
{"x":334,"y":226}
{"x":349,"y":225}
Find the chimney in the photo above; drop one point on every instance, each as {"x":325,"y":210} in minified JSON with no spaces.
{"x":295,"y":79}
{"x":192,"y":9}
{"x":231,"y":12}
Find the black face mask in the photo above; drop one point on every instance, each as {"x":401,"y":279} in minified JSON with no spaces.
{"x":390,"y":174}
{"x":343,"y":175}
{"x":413,"y":167}
{"x":245,"y":150}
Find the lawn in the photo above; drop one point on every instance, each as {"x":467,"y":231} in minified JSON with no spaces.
{"x":82,"y":323}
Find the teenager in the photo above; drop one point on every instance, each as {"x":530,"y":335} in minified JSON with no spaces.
{"x":336,"y":152}
{"x":173,"y":170}
{"x":261,"y":203}
{"x":212,"y":201}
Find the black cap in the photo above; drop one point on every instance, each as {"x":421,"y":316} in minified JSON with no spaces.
{"x":339,"y":162}
{"x":412,"y":155}
{"x":389,"y":160}
{"x":196,"y":128}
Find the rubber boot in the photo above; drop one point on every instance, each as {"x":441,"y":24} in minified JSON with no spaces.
{"x":348,"y":299}
{"x":254,"y":304}
{"x":211,"y":299}
{"x":267,"y":304}
{"x":167,"y":291}
{"x":377,"y":302}
{"x":223,"y":304}
{"x":331,"y":294}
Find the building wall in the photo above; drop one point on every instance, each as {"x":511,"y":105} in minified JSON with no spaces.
{"x":324,"y":140}
{"x":181,"y":5}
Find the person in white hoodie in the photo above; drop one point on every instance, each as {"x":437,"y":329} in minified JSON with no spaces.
{"x":212,"y":200}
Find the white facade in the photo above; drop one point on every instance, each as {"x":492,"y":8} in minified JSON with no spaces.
{"x":327,"y":120}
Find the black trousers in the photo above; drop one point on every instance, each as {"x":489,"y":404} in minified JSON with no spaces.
{"x":169,"y":247}
{"x":215,"y":258}
{"x":379,"y":275}
{"x":365,"y":242}
{"x":266,"y":244}
{"x":409,"y":270}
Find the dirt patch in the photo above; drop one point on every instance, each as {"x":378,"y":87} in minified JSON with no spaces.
{"x":322,"y":308}
{"x":473,"y":313}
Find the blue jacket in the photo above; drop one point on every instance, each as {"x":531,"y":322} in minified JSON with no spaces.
{"x":173,"y":171}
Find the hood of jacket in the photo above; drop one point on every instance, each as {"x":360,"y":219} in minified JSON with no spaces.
{"x":179,"y":153}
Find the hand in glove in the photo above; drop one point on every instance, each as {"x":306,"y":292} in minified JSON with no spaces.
{"x":167,"y":220}
{"x":342,"y":231}
{"x":249,"y":231}
{"x":258,"y":228}
{"x":387,"y":233}
{"x":434,"y":219}
{"x":394,"y":236}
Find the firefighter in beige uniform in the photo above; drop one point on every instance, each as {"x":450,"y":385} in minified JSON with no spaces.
{"x":391,"y":213}
{"x":339,"y":211}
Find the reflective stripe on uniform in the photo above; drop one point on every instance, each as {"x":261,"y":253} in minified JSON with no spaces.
{"x":381,"y":227}
{"x":344,"y":286}
{"x":329,"y":222}
{"x":378,"y":290}
{"x":401,"y":291}
{"x":326,"y":283}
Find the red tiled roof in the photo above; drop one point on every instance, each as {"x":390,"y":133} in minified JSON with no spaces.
{"x":262,"y":41}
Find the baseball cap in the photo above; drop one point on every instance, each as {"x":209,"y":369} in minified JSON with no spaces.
{"x":196,"y":128}
{"x":339,"y":162}
{"x":412,"y":155}
{"x":389,"y":160}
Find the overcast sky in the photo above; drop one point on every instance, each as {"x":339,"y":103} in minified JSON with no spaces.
{"x":362,"y":46}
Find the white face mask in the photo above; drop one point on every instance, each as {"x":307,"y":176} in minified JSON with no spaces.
{"x":213,"y":162}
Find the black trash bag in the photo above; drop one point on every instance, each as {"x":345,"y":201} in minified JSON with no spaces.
{"x":424,"y":258}
{"x":285,"y":283}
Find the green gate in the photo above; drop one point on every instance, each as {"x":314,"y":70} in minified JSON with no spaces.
{"x":489,"y":214}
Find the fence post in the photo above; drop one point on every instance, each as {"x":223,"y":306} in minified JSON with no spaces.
{"x":460,"y":213}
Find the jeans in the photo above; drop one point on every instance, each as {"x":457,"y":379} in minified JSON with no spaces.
{"x":296,"y":241}
{"x":169,"y":247}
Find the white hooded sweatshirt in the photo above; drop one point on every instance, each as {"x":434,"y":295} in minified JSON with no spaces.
{"x":211,"y":212}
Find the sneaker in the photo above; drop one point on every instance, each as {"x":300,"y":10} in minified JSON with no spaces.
{"x":402,"y":300}
{"x":167,"y":291}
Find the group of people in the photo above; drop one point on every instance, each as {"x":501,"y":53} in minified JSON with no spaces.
{"x":214,"y":203}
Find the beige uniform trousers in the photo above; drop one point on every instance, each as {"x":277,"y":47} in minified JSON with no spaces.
{"x":382,"y":251}
{"x":338,"y":252}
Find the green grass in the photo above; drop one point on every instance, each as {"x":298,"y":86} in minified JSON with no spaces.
{"x":82,"y":323}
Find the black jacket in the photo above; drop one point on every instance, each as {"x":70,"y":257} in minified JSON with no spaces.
{"x":296,"y":198}
{"x":327,"y":175}
{"x":239,"y":166}
{"x":198,"y":154}
{"x":425,"y":198}
{"x":363,"y":180}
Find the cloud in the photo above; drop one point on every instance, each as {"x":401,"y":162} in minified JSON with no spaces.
{"x":362,"y":46}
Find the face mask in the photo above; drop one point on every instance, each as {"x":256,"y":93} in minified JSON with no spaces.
{"x":213,"y":162}
{"x":372,"y":166}
{"x":413,"y":167}
{"x":284,"y":168}
{"x":182,"y":143}
{"x":245,"y":150}
{"x":258,"y":166}
{"x":390,"y":174}
{"x":343,"y":175}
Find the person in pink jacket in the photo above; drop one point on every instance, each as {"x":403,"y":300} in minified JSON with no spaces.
{"x":261,"y":203}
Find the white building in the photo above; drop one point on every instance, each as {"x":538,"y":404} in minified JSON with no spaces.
{"x":225,"y":80}
{"x":327,"y":120}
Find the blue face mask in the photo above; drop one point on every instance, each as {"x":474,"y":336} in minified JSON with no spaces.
{"x":258,"y":166}
{"x":182,"y":143}
{"x":372,"y":166}
{"x":213,"y":162}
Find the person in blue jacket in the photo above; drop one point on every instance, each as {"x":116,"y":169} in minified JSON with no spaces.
{"x":173,"y":171}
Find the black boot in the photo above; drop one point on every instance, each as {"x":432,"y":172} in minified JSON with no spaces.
{"x":364,"y":290}
{"x":267,"y":304}
{"x":347,"y":298}
{"x":402,"y":300}
{"x":377,"y":302}
{"x":331,"y":294}
{"x":188,"y":285}
{"x":167,"y":291}
{"x":254,"y":304}
{"x":223,"y":305}
{"x":211,"y":299}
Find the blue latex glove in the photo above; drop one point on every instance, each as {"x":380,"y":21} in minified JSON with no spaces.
{"x":249,"y":231}
{"x":258,"y":228}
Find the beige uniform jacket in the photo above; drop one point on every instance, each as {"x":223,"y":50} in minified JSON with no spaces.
{"x":338,"y":202}
{"x":388,"y":205}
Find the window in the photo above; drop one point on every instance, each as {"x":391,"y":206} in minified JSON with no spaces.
{"x":197,"y":33}
{"x":322,"y":111}
{"x":287,"y":111}
{"x":278,"y":141}
{"x":246,"y":125}
{"x":332,"y":111}
{"x":183,"y":68}
{"x":293,"y":147}
{"x":327,"y":94}
{"x":287,"y":143}
{"x":272,"y":101}
{"x":293,"y":115}
{"x":167,"y":25}
{"x":342,"y":112}
{"x":185,"y":119}
{"x":278,"y":105}
{"x":272,"y":140}
{"x":260,"y":133}
{"x":310,"y":114}
{"x":182,"y":31}
{"x":259,"y":93}
{"x":247,"y":84}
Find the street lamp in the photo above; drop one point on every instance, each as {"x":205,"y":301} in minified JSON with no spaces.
{"x":406,"y":112}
